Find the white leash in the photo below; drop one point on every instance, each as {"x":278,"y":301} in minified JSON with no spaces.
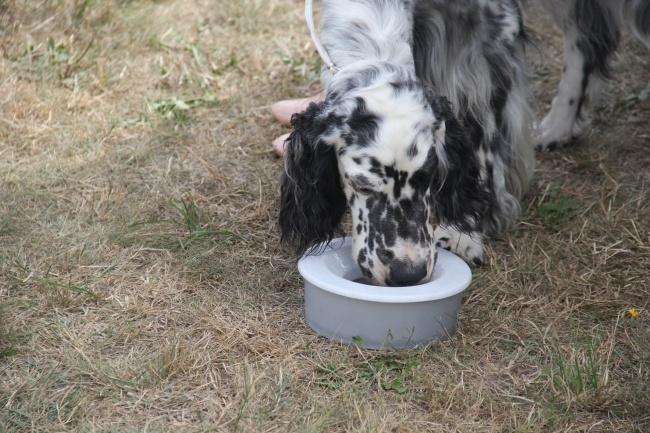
{"x":309,"y":16}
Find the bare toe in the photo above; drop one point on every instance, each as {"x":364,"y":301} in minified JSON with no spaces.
{"x":283,"y":110}
{"x":279,"y":144}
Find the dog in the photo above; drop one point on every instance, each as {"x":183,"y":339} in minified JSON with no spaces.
{"x":387,"y":146}
{"x":591,"y":33}
{"x":428,"y":111}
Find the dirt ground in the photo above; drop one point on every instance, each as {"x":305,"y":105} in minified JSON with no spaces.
{"x":143,"y":289}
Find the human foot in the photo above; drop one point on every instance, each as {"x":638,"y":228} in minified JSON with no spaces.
{"x":279,"y":144}
{"x":283,"y":110}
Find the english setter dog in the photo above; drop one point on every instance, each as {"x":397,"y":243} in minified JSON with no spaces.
{"x":427,"y":111}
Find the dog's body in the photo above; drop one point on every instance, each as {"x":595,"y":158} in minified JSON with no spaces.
{"x":429,"y":113}
{"x":472,"y":52}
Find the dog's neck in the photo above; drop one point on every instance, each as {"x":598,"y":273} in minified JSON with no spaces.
{"x":366,"y":32}
{"x":361,"y":76}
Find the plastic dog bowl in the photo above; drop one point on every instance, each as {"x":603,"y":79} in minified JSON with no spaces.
{"x":339,"y":307}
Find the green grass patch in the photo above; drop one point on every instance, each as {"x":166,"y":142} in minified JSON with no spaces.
{"x":557,"y":208}
{"x":384,"y":373}
{"x":181,"y":228}
{"x":177,"y":109}
{"x":580,"y":374}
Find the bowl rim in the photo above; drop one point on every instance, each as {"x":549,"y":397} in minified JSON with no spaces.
{"x":456,"y":277}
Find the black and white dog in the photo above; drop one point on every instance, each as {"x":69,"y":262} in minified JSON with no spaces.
{"x":428,"y":112}
{"x":384,"y":145}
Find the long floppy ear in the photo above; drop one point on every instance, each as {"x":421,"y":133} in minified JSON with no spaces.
{"x":312,"y":200}
{"x":461,"y":198}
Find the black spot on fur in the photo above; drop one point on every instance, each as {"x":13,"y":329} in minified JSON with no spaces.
{"x":362,"y":125}
{"x":421,"y":180}
{"x":376,"y":167}
{"x":361,"y":258}
{"x":386,"y":256}
{"x":399,"y":182}
{"x":370,"y":242}
{"x":412,"y":151}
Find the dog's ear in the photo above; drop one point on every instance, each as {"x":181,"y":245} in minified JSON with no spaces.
{"x":312,"y":198}
{"x":461,"y":198}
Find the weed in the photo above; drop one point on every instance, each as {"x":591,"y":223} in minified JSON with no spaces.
{"x":330,"y":376}
{"x":190,"y":219}
{"x":175,"y":108}
{"x":231,"y":63}
{"x":19,"y":418}
{"x":302,"y":69}
{"x":582,"y":374}
{"x":631,"y":100}
{"x":633,"y":313}
{"x":189,"y":213}
{"x":7,"y":352}
{"x":58,"y":53}
{"x":387,"y":373}
{"x":186,"y":223}
{"x":557,"y":208}
{"x":71,"y":287}
{"x":6,"y":225}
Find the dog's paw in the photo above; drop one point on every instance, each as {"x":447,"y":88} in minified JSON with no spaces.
{"x":551,"y":142}
{"x":556,"y":132}
{"x":468,"y":246}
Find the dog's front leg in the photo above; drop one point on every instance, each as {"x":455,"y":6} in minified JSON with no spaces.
{"x":591,"y":35}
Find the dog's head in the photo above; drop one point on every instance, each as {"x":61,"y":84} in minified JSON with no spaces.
{"x":393,"y":153}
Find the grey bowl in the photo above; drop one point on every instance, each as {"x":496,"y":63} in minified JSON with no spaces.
{"x":342,"y":309}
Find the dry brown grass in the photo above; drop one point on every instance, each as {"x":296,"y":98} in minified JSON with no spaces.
{"x":123,"y":309}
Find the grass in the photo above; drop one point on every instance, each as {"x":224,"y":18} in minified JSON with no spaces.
{"x":556,"y":207}
{"x":384,"y":373}
{"x":142,"y":287}
{"x":580,"y":374}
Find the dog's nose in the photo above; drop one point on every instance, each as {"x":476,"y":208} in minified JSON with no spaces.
{"x":407,"y":274}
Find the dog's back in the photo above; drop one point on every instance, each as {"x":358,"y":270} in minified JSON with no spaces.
{"x":472,"y":52}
